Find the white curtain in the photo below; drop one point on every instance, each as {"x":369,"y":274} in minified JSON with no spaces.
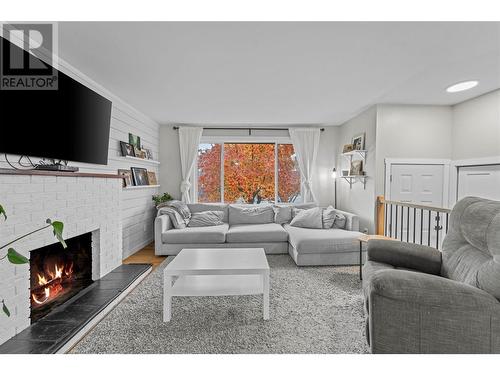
{"x":189,"y":141}
{"x":305,"y":143}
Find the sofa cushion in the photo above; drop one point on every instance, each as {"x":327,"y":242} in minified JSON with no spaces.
{"x":282,"y":213}
{"x":213,"y":234}
{"x":250,"y":214}
{"x":310,"y":218}
{"x":311,"y":241}
{"x":296,"y":208}
{"x":340,"y":221}
{"x":471,"y":250}
{"x":202,"y":207}
{"x":175,"y":217}
{"x":270,"y":232}
{"x":179,"y":206}
{"x":328,"y":217}
{"x":206,"y":219}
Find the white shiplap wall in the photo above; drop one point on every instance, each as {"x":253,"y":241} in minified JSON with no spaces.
{"x":137,"y":213}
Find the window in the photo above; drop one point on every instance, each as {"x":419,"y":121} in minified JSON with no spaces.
{"x":247,"y":173}
{"x":209,"y":173}
{"x":288,"y":175}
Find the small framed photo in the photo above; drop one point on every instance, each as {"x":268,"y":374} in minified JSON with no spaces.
{"x":134,"y":140}
{"x":358,"y":142}
{"x":127,"y":177}
{"x":356,"y":168}
{"x":140,"y":176}
{"x":127,"y":149}
{"x":138,"y":152}
{"x":152,"y":178}
{"x":348,"y":148}
{"x":149,"y":153}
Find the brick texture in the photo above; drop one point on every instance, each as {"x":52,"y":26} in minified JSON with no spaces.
{"x":82,"y":204}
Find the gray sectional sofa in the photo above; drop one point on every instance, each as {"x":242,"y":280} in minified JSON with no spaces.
{"x":306,"y":246}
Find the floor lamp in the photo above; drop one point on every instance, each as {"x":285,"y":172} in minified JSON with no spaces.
{"x":334,"y":175}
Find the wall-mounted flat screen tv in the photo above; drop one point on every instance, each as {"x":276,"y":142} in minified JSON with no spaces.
{"x":70,"y":123}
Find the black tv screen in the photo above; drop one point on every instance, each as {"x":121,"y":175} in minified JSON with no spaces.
{"x":70,"y":123}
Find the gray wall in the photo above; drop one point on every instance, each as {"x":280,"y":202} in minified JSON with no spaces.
{"x":359,"y":200}
{"x":170,"y":167}
{"x":411,"y":131}
{"x":476,"y":127}
{"x":323,"y":184}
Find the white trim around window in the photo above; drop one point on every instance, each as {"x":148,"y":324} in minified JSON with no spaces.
{"x":243,"y":139}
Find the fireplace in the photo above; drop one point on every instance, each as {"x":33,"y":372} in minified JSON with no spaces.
{"x":57,"y":274}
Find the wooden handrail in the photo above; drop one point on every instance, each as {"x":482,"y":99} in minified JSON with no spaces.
{"x":382,"y":201}
{"x":380,"y":215}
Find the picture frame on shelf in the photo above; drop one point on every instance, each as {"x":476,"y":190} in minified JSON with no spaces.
{"x":356,"y":168}
{"x":127,"y":149}
{"x":134,"y":140}
{"x":127,"y":177}
{"x":152,"y":178}
{"x":149,"y":153}
{"x":140,"y":176}
{"x":358,"y":142}
{"x":347,"y":148}
{"x":138,"y":153}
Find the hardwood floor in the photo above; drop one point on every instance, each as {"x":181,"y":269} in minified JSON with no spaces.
{"x":145,"y":256}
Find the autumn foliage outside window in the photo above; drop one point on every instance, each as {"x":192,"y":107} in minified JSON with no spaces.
{"x":249,"y":173}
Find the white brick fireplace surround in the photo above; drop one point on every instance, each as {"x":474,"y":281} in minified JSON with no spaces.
{"x":87,"y":203}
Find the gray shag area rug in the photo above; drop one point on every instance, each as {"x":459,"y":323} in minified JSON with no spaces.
{"x":313,"y":310}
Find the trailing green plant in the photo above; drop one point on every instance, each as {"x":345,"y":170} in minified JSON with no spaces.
{"x":15,"y":258}
{"x":160,"y":198}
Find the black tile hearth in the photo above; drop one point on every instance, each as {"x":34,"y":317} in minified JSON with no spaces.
{"x":54,"y":330}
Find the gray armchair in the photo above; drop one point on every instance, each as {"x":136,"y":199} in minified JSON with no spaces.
{"x":421,"y":300}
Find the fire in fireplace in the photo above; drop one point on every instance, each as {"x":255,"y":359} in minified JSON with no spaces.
{"x":57,"y":274}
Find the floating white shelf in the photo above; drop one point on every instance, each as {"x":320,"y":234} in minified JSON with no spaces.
{"x":352,"y":180}
{"x":139,"y":160}
{"x":140,"y":187}
{"x":350,"y":154}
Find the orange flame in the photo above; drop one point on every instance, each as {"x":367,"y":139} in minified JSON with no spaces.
{"x":52,"y":281}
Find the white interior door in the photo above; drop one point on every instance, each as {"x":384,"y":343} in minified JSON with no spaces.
{"x":479,"y":181}
{"x":418,"y":184}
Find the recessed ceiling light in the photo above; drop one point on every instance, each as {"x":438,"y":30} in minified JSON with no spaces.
{"x":462,"y":86}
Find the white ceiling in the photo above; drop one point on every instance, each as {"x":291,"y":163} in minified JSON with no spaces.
{"x":224,"y":73}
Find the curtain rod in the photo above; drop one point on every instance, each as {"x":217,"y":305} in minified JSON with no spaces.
{"x":250,"y":129}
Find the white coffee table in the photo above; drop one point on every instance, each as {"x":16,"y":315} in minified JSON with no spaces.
{"x":216,"y":272}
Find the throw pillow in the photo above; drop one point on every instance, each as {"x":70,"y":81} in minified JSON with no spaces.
{"x":206,"y":219}
{"x":311,"y":218}
{"x":177,"y":221}
{"x":181,"y":207}
{"x":340,"y":221}
{"x":251,"y":214}
{"x":282,"y":214}
{"x":295,"y":211}
{"x":328,"y":217}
